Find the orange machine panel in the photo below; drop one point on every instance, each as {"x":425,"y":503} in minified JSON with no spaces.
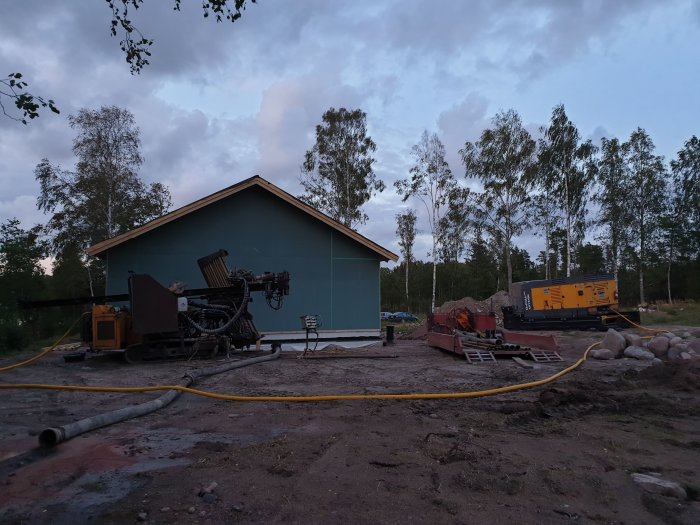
{"x":108,"y":328}
{"x":576,"y":295}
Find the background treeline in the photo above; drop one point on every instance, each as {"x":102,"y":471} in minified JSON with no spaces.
{"x":480,"y":276}
{"x":614,"y":207}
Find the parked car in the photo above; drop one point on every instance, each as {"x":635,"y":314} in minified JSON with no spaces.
{"x":402,"y":317}
{"x":384,"y":316}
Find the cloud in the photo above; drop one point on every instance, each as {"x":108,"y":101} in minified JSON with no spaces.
{"x":461,"y":123}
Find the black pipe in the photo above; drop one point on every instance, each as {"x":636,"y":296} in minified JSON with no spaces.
{"x":54,"y":435}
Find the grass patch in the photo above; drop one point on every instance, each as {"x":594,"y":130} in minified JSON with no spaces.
{"x":404,"y":328}
{"x":681,"y":313}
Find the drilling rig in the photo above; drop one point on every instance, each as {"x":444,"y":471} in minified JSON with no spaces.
{"x":160,"y":322}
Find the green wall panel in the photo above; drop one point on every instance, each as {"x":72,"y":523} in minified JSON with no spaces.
{"x":331,"y":275}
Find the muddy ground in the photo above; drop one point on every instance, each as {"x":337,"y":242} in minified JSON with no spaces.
{"x":561,"y":453}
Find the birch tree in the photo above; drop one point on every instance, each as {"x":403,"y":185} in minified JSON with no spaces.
{"x":337,"y":174}
{"x":612,"y":187}
{"x":645,"y":196}
{"x":681,"y":222}
{"x":103,"y":196}
{"x":571,"y":170}
{"x":406,"y":232}
{"x":502,"y":160}
{"x":431,"y":182}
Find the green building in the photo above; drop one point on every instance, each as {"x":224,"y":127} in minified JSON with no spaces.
{"x":334,"y":271}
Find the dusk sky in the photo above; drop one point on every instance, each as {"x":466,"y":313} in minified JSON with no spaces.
{"x":222,"y":102}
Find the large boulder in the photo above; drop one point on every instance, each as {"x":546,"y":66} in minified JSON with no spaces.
{"x":602,"y":353}
{"x":658,"y":345}
{"x":636,"y":352}
{"x":633,"y":340}
{"x":675,"y":341}
{"x":659,"y":485}
{"x":615,"y":342}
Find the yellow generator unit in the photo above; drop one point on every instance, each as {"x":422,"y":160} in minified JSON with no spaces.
{"x":589,"y":301}
{"x":109,"y":328}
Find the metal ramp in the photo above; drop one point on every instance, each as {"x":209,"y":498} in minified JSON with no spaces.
{"x":479,"y":356}
{"x":544,"y":356}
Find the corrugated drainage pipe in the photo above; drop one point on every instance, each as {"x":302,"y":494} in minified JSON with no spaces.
{"x":55,"y":435}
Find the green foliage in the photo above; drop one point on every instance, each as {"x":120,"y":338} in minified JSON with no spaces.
{"x":503,"y":161}
{"x":337,"y":173}
{"x":14,"y":88}
{"x":566,"y":169}
{"x":432,"y":183}
{"x":615,"y":214}
{"x":646,"y":198}
{"x":406,"y":232}
{"x":21,"y":274}
{"x":103,"y":196}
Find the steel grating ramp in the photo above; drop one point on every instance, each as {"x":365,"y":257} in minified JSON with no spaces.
{"x":479,"y":356}
{"x":545,"y":356}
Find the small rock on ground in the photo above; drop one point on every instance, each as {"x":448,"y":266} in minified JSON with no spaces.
{"x":602,"y":353}
{"x":659,"y":485}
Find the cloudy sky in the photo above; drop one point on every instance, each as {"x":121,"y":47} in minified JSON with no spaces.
{"x":222,"y":102}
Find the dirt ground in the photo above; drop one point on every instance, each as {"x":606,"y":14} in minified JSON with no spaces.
{"x":560,"y":453}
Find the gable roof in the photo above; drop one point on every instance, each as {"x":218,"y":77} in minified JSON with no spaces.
{"x":100,"y":248}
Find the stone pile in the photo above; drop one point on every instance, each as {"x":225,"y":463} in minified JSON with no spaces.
{"x":665,"y":346}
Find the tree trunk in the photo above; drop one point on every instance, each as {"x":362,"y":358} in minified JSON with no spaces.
{"x":432,"y":303}
{"x":668,"y":270}
{"x":509,"y":265}
{"x":407,"y":284}
{"x":546,"y":253}
{"x":92,"y":291}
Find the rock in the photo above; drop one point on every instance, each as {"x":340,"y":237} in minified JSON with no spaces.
{"x":210,"y":497}
{"x":667,"y":335}
{"x":237,"y":508}
{"x":675,"y":352}
{"x":142,"y":516}
{"x":694,"y":344}
{"x":165,"y":509}
{"x":657,"y":362}
{"x":638,"y":353}
{"x":614,"y":341}
{"x":659,"y":485}
{"x":658,"y":345}
{"x":602,"y":353}
{"x":675,"y":341}
{"x":633,"y":340}
{"x":209,"y":488}
{"x":695,"y":332}
{"x":686,"y":335}
{"x":685,"y":355}
{"x":191,"y":510}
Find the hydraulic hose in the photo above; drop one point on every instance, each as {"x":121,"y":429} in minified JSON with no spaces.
{"x":54,"y":435}
{"x":312,"y":399}
{"x":657,"y":330}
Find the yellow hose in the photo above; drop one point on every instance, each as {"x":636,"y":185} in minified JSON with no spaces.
{"x":300,"y":399}
{"x":48,"y":350}
{"x":657,"y":330}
